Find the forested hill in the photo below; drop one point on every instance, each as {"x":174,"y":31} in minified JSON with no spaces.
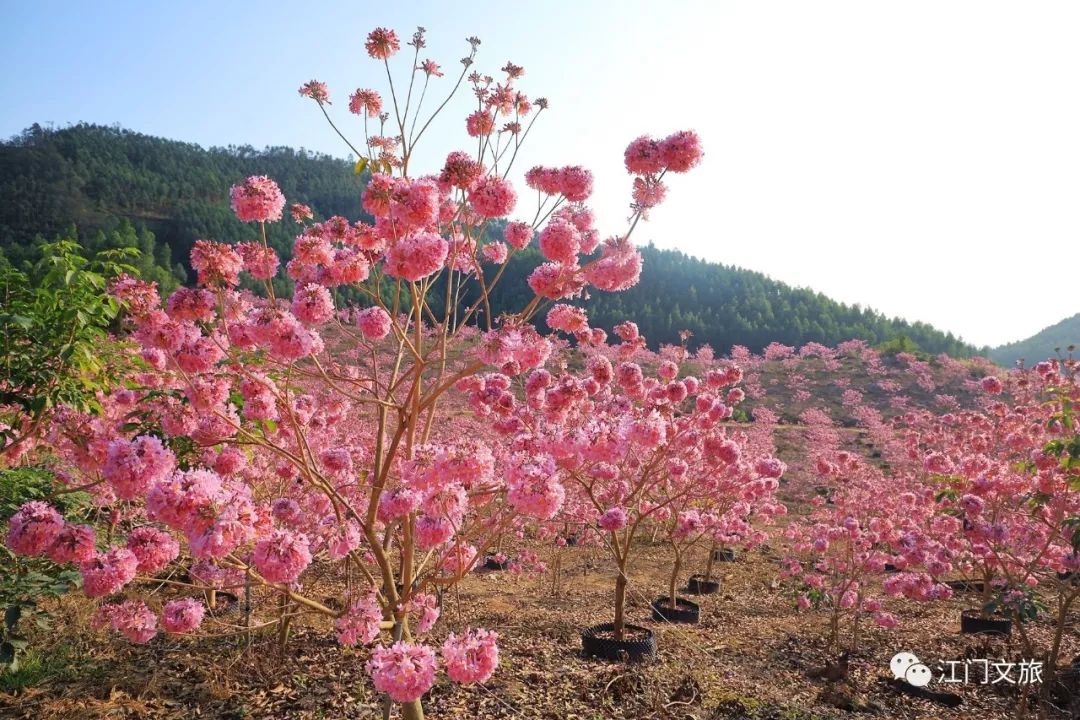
{"x":1051,"y":341}
{"x":724,"y":306}
{"x":97,"y":177}
{"x":120,"y":187}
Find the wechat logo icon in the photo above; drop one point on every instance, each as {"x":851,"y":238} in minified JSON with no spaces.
{"x":905,"y":666}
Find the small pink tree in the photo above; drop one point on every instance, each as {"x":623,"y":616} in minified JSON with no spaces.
{"x":837,"y":555}
{"x":1008,"y":478}
{"x":631,"y":447}
{"x":731,"y":506}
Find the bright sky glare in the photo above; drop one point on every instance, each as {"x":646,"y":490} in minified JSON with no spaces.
{"x":920,"y":158}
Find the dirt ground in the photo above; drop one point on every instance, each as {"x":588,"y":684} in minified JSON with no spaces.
{"x":751,"y":656}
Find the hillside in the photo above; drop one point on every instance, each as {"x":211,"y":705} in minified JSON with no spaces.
{"x":169,"y":193}
{"x":97,"y":177}
{"x":1043,"y":344}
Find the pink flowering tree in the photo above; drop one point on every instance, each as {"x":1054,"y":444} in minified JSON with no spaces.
{"x":837,"y":555}
{"x":726,"y":505}
{"x":268,"y":436}
{"x":629,"y":447}
{"x":731,"y":505}
{"x":560,"y":533}
{"x":1007,"y":480}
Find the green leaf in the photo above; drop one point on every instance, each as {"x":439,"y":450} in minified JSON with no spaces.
{"x":361,"y":166}
{"x":21,"y":320}
{"x":1073,"y":524}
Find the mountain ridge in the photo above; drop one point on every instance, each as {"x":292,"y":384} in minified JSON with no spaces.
{"x":1048,"y":342}
{"x":106,"y":179}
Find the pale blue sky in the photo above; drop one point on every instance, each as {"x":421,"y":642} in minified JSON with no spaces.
{"x":919,"y":157}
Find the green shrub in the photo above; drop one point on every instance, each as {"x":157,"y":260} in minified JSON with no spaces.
{"x":25,"y":583}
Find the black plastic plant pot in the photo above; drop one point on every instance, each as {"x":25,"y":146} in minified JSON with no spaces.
{"x":724,"y":555}
{"x":685,"y":612}
{"x":972,"y":623}
{"x":967,"y":586}
{"x":698,"y":585}
{"x":599,"y":641}
{"x":491,"y":563}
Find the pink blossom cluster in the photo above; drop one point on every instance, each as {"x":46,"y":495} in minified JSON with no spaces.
{"x":107,"y":573}
{"x":132,"y":618}
{"x":282,"y":556}
{"x":132,"y":467}
{"x":472,"y":657}
{"x":182,"y":616}
{"x":404,"y":671}
{"x":34,"y":528}
{"x":359,"y":624}
{"x":216,"y":516}
{"x":426,"y":606}
{"x":649,"y":160}
{"x":573,"y":182}
{"x":154,"y":549}
{"x":365,"y":102}
{"x":258,"y":198}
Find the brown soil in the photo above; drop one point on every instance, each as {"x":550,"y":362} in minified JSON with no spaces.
{"x":751,"y":656}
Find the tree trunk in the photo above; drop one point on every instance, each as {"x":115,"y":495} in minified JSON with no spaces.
{"x":620,"y":604}
{"x":247,"y":609}
{"x":708,"y":564}
{"x":556,"y":571}
{"x":284,"y":621}
{"x":675,"y":576}
{"x":985,"y":595}
{"x":1055,"y":649}
{"x":412,"y":710}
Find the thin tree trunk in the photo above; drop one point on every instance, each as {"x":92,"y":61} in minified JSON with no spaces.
{"x":1052,"y":659}
{"x":247,"y":609}
{"x":412,"y":710}
{"x":556,"y":571}
{"x":709,"y":563}
{"x":985,"y":595}
{"x":284,"y":622}
{"x":620,"y":603}
{"x":675,"y":576}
